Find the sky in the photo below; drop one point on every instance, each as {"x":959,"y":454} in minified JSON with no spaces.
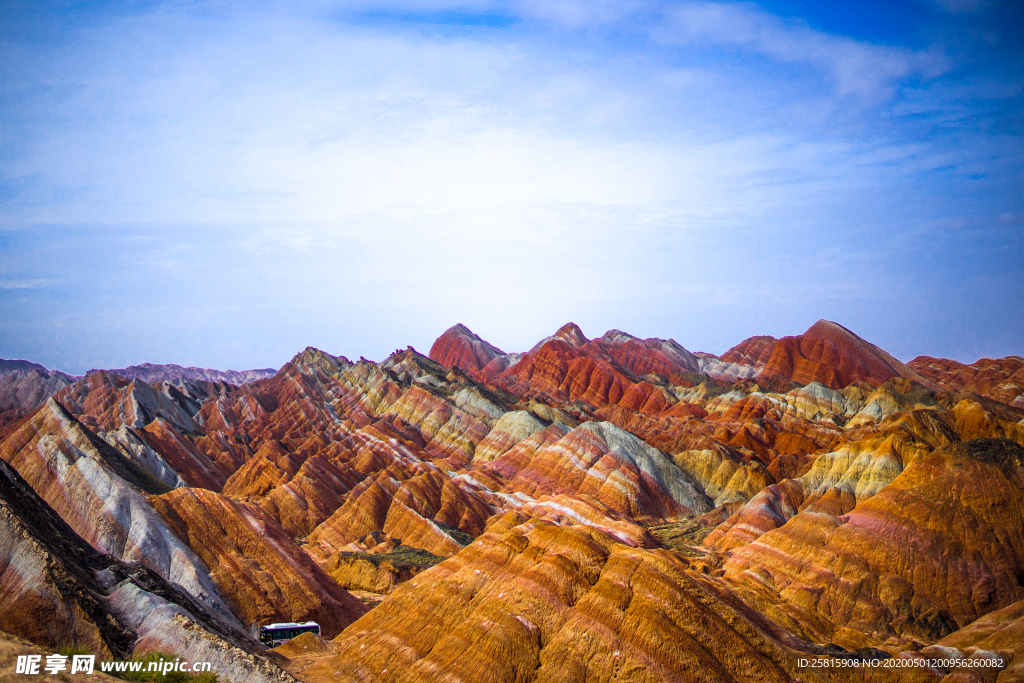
{"x":224,"y":184}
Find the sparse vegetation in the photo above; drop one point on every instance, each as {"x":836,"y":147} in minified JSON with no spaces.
{"x":682,"y":536}
{"x":169,"y":677}
{"x":402,"y":556}
{"x":458,"y":535}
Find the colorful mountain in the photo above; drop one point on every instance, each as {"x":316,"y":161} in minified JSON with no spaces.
{"x":25,"y":386}
{"x":152,"y":372}
{"x":600,"y":509}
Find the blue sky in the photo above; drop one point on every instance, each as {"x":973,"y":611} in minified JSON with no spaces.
{"x":223,"y":185}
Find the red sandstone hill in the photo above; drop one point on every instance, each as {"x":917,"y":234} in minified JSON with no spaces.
{"x":566,"y":373}
{"x":257,"y":568}
{"x":57,"y":591}
{"x":459,"y":347}
{"x":643,"y":356}
{"x":543,"y":603}
{"x":830,"y":354}
{"x":107,"y":402}
{"x":755,"y":351}
{"x":616,"y":356}
{"x":570,"y":333}
{"x":1001,"y":379}
{"x":826,"y":353}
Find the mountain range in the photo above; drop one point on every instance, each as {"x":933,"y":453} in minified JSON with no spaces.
{"x":802,"y":509}
{"x":25,"y":385}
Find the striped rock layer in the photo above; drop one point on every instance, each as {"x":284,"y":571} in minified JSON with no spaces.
{"x":611,"y":508}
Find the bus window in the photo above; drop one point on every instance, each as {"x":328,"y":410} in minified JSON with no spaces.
{"x":274,"y":635}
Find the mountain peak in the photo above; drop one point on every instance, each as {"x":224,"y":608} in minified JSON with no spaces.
{"x":617,"y":337}
{"x":571,"y":333}
{"x":461,"y":347}
{"x":834,"y":356}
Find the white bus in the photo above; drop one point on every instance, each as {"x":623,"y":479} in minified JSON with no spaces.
{"x":273,"y":635}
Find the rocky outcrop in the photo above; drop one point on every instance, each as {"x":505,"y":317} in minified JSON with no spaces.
{"x":262,"y":574}
{"x":545,"y":603}
{"x":103,"y":496}
{"x":601,"y":461}
{"x":105,"y":402}
{"x":28,"y":391}
{"x":48,"y":589}
{"x":131,"y":443}
{"x":931,"y":552}
{"x":57,"y":591}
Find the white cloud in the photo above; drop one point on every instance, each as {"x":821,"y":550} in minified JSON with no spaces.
{"x":36,"y":283}
{"x":295,"y":123}
{"x":351,"y":179}
{"x":858,"y":68}
{"x":581,"y":13}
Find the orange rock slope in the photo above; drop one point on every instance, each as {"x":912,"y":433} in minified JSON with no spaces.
{"x":258,"y":569}
{"x":544,"y":603}
{"x":940,"y":546}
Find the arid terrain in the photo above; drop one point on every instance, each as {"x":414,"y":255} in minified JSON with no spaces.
{"x":612,"y":509}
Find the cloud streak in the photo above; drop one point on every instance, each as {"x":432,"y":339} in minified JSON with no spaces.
{"x":857,"y":68}
{"x":36,"y":283}
{"x":258,"y":182}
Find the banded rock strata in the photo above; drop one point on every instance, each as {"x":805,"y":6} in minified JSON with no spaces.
{"x":589,"y":509}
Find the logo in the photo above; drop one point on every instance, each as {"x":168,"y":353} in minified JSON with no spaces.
{"x":32,"y":664}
